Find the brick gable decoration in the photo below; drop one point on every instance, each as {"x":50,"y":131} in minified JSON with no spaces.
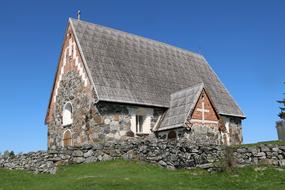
{"x":112,"y":85}
{"x":70,"y":60}
{"x":204,"y":111}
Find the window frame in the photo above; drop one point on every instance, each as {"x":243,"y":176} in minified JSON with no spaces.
{"x":65,"y":123}
{"x":140,"y":119}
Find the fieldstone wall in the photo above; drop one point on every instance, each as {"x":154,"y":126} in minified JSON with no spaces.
{"x":197,"y":134}
{"x":37,"y":162}
{"x":268,"y":154}
{"x":113,"y":121}
{"x":92,"y":122}
{"x":71,"y":90}
{"x":168,"y":154}
{"x":201,"y":134}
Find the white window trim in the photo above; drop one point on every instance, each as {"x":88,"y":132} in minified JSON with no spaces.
{"x":147,"y":114}
{"x":71,"y":119}
{"x":139,"y":128}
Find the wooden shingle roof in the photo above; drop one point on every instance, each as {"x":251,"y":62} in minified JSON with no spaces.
{"x":182,"y":103}
{"x":127,"y":68}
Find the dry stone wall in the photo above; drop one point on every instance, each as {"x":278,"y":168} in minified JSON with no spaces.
{"x":37,"y":162}
{"x":168,"y":154}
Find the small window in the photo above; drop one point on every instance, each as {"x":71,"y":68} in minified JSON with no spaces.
{"x":67,"y":114}
{"x":139,"y":123}
{"x":172,"y":135}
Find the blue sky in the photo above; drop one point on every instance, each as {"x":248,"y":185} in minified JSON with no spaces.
{"x":244,"y":42}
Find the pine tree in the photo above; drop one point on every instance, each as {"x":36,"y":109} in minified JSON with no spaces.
{"x":282,"y":108}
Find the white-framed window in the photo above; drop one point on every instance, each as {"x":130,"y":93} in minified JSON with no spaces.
{"x":139,"y":123}
{"x":67,"y":114}
{"x":141,"y":120}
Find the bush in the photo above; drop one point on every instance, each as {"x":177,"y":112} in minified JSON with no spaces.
{"x":229,"y":158}
{"x":227,"y":163}
{"x":8,"y":154}
{"x":281,"y":114}
{"x":12,"y":154}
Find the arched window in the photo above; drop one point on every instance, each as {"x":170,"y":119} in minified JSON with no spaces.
{"x":67,"y":139}
{"x":67,"y":114}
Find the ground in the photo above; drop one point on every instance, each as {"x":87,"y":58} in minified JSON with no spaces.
{"x":134,"y":175}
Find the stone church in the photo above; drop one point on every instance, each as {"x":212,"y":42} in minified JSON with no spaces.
{"x":111,"y":85}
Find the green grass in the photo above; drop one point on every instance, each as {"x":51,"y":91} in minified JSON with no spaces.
{"x":260,"y":143}
{"x":133,"y":175}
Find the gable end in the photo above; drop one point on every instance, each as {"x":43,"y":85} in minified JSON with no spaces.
{"x":203,"y":112}
{"x":70,"y":60}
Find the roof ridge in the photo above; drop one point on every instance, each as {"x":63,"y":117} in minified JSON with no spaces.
{"x":143,"y":38}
